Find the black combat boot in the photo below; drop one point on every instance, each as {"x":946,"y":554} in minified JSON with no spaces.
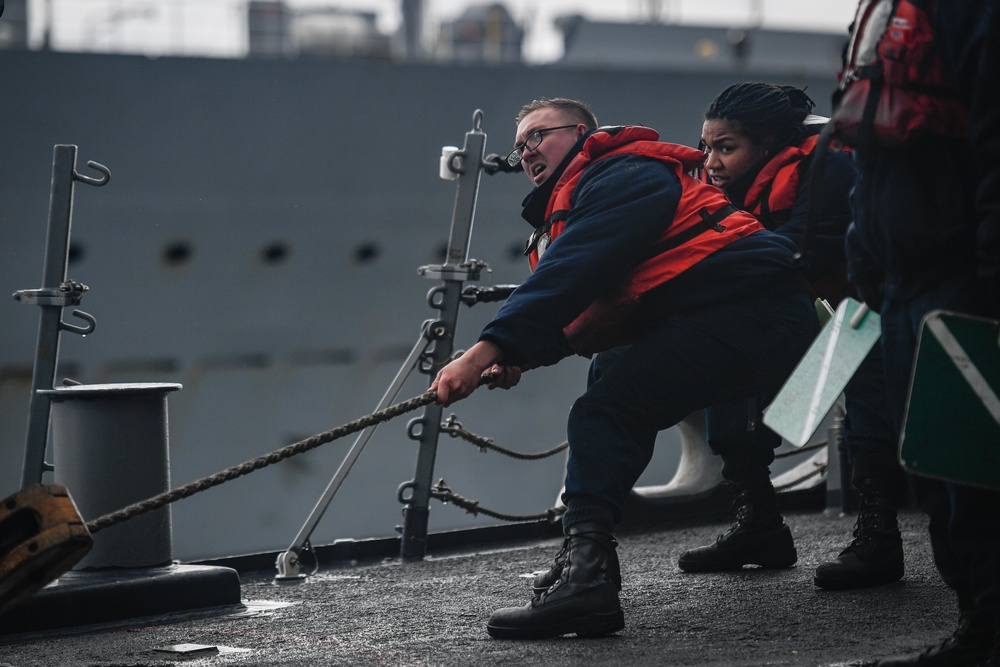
{"x":581,"y":596}
{"x":969,"y":646}
{"x":758,"y":536}
{"x":875,"y":556}
{"x":543,"y":581}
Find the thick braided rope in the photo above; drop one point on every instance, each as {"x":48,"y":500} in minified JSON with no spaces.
{"x":285,"y":452}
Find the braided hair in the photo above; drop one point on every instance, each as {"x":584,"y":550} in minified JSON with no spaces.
{"x":768,"y":114}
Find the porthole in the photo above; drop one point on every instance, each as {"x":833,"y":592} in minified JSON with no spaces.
{"x":177,"y":253}
{"x":75,"y":254}
{"x":275,"y":252}
{"x":366,"y":253}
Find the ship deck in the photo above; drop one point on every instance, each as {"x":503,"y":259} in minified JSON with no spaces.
{"x":383,"y":611}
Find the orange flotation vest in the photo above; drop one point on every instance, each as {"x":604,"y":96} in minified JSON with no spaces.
{"x":773,"y":192}
{"x":704,"y":222}
{"x":893,"y":89}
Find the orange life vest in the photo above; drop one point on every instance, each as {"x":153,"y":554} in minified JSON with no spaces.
{"x":773,"y":192}
{"x":893,"y":88}
{"x":704,"y":222}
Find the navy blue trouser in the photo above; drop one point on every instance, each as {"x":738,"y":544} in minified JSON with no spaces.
{"x":964,"y":521}
{"x":870,"y":433}
{"x":689,"y":361}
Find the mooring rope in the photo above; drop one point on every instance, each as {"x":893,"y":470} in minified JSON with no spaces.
{"x":247,"y":467}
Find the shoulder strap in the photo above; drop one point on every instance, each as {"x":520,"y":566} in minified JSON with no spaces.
{"x":709,"y":222}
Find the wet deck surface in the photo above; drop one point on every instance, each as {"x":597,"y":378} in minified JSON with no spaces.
{"x":433,"y":612}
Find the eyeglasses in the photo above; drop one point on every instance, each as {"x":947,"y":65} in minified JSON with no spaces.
{"x":531,"y":142}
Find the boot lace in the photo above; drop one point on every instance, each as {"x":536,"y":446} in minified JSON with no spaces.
{"x":742,"y":508}
{"x":869,"y":526}
{"x":547,"y":581}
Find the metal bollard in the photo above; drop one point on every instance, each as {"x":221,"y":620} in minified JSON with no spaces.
{"x":110,"y":449}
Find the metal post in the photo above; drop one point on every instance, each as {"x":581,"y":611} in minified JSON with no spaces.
{"x":47,"y":348}
{"x":457,"y":268}
{"x":466,"y":167}
{"x":838,"y":471}
{"x":55,"y":294}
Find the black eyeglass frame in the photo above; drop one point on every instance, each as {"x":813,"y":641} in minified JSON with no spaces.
{"x":514,"y":157}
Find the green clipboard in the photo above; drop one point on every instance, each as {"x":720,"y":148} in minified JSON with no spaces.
{"x":951,"y":429}
{"x":817,"y":382}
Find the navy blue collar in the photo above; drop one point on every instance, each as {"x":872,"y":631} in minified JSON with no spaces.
{"x":534,"y":205}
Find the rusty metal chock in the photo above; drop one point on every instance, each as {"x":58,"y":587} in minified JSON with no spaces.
{"x":42,"y":536}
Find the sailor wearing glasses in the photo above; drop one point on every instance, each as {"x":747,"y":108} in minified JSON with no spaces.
{"x":709,"y":306}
